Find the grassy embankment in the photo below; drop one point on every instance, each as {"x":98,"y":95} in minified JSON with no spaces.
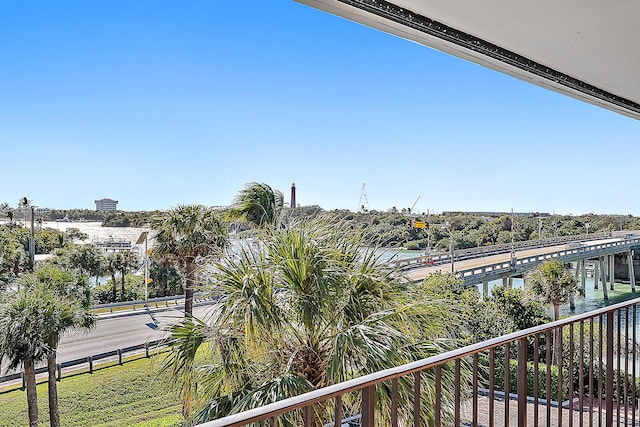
{"x":135,"y":394}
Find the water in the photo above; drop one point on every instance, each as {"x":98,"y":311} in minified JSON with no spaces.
{"x":98,"y":233}
{"x":592,"y":300}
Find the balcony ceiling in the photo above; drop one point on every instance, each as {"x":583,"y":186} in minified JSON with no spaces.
{"x":585,"y":49}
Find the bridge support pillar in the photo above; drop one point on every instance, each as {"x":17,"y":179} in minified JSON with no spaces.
{"x":604,"y":279}
{"x":505,"y":282}
{"x":612,"y":270}
{"x":596,"y":274}
{"x":632,"y":273}
{"x":485,"y":289}
{"x":510,"y":283}
{"x":583,"y":275}
{"x":572,"y":298}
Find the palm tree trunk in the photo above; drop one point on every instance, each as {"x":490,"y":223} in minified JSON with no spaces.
{"x":32,"y":394}
{"x":122,"y":284}
{"x":188,"y":290}
{"x":54,"y":413}
{"x":114,"y":287}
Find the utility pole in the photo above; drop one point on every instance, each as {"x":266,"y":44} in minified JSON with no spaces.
{"x":32,"y":242}
{"x":449,"y":225}
{"x":144,"y":237}
{"x":513,"y":251}
{"x":539,"y":228}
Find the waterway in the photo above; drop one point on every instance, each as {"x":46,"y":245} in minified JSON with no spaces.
{"x":592,"y":300}
{"x":97,"y":232}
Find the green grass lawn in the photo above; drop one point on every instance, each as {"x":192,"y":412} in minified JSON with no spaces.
{"x":135,"y":394}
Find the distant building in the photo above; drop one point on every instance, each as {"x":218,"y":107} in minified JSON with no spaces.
{"x":106,"y":205}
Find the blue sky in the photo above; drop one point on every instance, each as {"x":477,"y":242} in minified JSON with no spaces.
{"x":159,"y":103}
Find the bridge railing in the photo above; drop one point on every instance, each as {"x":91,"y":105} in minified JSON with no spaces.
{"x":501,"y":269}
{"x":575,"y":371}
{"x":482,"y":251}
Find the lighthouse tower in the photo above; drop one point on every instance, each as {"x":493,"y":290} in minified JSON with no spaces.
{"x":293,"y":195}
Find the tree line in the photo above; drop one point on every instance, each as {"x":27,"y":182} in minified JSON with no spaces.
{"x":303,"y":301}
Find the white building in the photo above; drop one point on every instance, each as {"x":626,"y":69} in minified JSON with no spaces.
{"x":106,"y":205}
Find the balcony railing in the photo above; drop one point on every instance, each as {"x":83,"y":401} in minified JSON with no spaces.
{"x":579,"y":371}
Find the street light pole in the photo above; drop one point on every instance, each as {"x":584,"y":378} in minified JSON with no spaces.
{"x":450,"y":227}
{"x":32,"y":242}
{"x":513,"y":251}
{"x":539,"y":228}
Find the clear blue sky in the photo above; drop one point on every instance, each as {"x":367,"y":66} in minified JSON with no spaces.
{"x":159,"y":103}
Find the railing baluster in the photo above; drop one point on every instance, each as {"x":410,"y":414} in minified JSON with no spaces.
{"x":617,"y":366}
{"x":457,"y":392}
{"x":394,"y":402}
{"x":416,"y":398}
{"x":492,"y":372}
{"x":626,"y":364}
{"x":536,"y":380}
{"x":560,"y":379}
{"x":609,"y":371}
{"x":548,"y":378}
{"x":522,"y":382}
{"x":581,"y":376}
{"x":600,"y":367}
{"x":368,"y":406}
{"x":437,"y":409}
{"x":506,"y":383}
{"x":475,"y":390}
{"x":306,"y":416}
{"x":633,"y":365}
{"x":591,"y":370}
{"x":337,"y":411}
{"x":570,"y":374}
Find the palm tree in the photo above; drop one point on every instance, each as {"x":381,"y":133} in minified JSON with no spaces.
{"x":111,"y":265}
{"x":189,"y":233}
{"x":553,"y":284}
{"x":13,"y":258}
{"x":124,"y":262}
{"x":22,"y":338}
{"x":259,"y":204}
{"x":165,"y":275}
{"x":306,"y":311}
{"x":68,"y":307}
{"x":73,"y":295}
{"x":87,"y":260}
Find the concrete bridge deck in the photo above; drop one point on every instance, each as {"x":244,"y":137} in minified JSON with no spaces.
{"x":498,"y":266}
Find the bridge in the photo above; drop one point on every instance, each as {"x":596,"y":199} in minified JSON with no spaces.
{"x":611,"y":255}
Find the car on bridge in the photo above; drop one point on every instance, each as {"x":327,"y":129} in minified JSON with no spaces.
{"x":575,"y":245}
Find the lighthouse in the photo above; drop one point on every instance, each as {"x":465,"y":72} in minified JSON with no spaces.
{"x":293,"y":195}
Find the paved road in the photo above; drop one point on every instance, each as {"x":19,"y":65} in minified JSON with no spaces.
{"x":119,"y":332}
{"x":112,"y":333}
{"x":421,"y":273}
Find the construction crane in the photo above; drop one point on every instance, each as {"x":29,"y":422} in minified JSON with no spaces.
{"x":414,"y":204}
{"x":363,"y":207}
